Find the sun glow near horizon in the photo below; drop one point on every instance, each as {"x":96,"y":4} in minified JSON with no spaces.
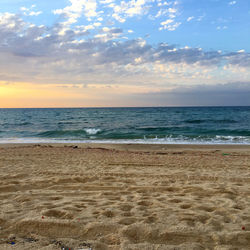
{"x":29,"y":95}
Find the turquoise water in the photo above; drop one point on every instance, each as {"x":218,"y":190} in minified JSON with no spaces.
{"x":206,"y":125}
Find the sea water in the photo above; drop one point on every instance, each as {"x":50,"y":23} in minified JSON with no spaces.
{"x":182,"y":125}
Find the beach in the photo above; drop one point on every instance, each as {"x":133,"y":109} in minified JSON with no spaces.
{"x":124,"y":196}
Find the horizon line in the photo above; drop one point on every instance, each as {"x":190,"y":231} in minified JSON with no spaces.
{"x":174,"y":106}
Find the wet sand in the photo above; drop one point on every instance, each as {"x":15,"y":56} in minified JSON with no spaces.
{"x":96,"y":196}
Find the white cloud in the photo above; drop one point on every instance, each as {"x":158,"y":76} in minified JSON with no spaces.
{"x":171,"y":12}
{"x":10,"y":22}
{"x":232,"y":3}
{"x":29,"y":11}
{"x":35,"y":13}
{"x":76,"y":9}
{"x":164,"y":3}
{"x":169,"y":25}
{"x":128,"y":9}
{"x":24,"y":9}
{"x":190,"y":18}
{"x":106,"y":29}
{"x":161,"y":12}
{"x":200,"y":18}
{"x":106,"y":1}
{"x":221,"y":27}
{"x":118,"y":18}
{"x":168,"y":21}
{"x":97,"y":24}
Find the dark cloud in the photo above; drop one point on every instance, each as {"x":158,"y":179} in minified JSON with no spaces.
{"x":116,"y":31}
{"x":241,"y":59}
{"x":234,"y":94}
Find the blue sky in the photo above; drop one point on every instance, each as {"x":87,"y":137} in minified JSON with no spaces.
{"x":210,"y":24}
{"x":125,"y":49}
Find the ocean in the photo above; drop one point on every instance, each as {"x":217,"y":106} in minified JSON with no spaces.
{"x":161,"y":125}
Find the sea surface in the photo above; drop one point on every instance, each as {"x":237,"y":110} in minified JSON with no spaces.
{"x":164,"y":125}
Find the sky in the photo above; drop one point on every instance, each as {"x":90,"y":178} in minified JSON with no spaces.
{"x":105,"y":53}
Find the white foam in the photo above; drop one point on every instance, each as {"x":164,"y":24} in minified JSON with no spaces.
{"x":217,"y":141}
{"x":92,"y":131}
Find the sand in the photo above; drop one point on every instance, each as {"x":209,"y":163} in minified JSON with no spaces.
{"x":124,"y":197}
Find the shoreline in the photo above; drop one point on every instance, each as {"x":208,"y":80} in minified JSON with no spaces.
{"x":135,"y":146}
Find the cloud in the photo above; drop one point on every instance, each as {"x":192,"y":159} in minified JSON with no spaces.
{"x":10,"y":23}
{"x":232,"y":3}
{"x":221,"y":27}
{"x":230,"y":94}
{"x":35,"y":13}
{"x":76,"y":9}
{"x":169,"y":25}
{"x":42,"y":55}
{"x":190,"y":18}
{"x":30,"y":12}
{"x":161,"y":12}
{"x":171,"y":12}
{"x":107,"y":34}
{"x":200,"y":18}
{"x":129,"y":9}
{"x":113,"y":11}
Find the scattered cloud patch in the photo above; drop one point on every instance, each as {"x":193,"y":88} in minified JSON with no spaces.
{"x":30,"y":11}
{"x":78,"y":7}
{"x":232,"y":3}
{"x":128,"y":9}
{"x":221,"y":27}
{"x":170,"y":13}
{"x":200,"y":18}
{"x":169,"y":25}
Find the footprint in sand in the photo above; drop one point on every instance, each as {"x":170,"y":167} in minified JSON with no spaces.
{"x":126,"y":207}
{"x":144,"y":203}
{"x":109,"y":213}
{"x":185,"y":206}
{"x":207,"y":208}
{"x":127,"y":221}
{"x":58,"y":214}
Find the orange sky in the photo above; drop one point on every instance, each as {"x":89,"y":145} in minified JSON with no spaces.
{"x":28,"y":95}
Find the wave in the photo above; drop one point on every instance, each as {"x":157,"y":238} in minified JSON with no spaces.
{"x":229,"y":132}
{"x":69,"y":133}
{"x":234,"y":140}
{"x":17,"y":124}
{"x":66,"y":122}
{"x":192,"y":131}
{"x":92,"y":131}
{"x":154,"y":128}
{"x":210,"y":121}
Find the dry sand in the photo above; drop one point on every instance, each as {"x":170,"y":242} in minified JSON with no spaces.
{"x":124,"y":197}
